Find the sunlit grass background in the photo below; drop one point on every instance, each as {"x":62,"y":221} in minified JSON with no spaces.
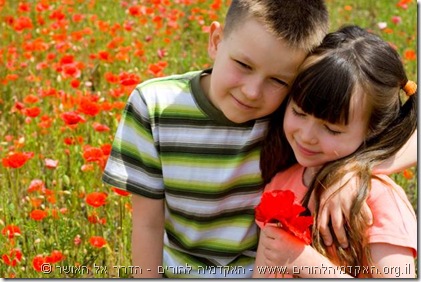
{"x":66,"y":69}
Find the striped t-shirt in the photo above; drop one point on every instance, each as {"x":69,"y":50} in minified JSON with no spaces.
{"x":173,"y":144}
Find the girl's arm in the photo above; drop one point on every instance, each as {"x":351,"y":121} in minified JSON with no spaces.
{"x":147,"y":236}
{"x":391,"y":261}
{"x":279,"y":248}
{"x":340,"y":204}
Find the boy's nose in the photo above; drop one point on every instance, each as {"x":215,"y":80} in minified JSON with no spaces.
{"x":253,"y":88}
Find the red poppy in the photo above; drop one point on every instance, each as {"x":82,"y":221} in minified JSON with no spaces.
{"x":16,"y":159}
{"x":120,"y":192}
{"x":71,"y":118}
{"x":32,"y":112}
{"x":30,"y":99}
{"x":96,"y":199}
{"x":100,"y":127}
{"x":92,"y":154}
{"x":408,"y":174}
{"x":278,"y":206}
{"x":10,"y":231}
{"x":13,"y":258}
{"x":36,"y":185}
{"x":94,"y":218}
{"x":54,"y":257}
{"x":89,"y":107}
{"x":38,"y":215}
{"x":410,"y":55}
{"x":37,"y":262}
{"x":97,"y":241}
{"x":129,"y":79}
{"x":106,"y":149}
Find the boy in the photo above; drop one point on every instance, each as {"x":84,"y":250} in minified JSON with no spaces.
{"x":188,"y":145}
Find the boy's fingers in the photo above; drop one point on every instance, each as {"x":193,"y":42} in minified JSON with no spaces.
{"x":324,"y":227}
{"x":339,"y":229}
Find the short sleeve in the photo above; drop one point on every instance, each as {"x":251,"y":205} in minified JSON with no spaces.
{"x":134,"y":163}
{"x":394,"y":219}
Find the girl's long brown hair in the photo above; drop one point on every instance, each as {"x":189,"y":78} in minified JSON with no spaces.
{"x":349,"y":62}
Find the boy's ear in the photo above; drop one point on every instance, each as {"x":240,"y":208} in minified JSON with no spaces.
{"x":215,"y":37}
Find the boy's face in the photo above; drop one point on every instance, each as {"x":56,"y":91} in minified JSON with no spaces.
{"x":252,"y":71}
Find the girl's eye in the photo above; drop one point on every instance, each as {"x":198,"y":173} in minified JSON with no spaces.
{"x":297,"y":113}
{"x":331,"y":131}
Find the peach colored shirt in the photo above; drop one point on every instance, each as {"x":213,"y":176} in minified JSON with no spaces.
{"x":394,"y":219}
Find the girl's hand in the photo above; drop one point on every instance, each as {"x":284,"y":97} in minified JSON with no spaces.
{"x":280,"y":248}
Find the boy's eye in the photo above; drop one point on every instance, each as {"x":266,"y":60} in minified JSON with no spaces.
{"x":281,"y":82}
{"x":243,"y":65}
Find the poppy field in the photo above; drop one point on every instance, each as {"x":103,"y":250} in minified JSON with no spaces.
{"x":66,"y":70}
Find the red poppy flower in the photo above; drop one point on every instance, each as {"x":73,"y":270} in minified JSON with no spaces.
{"x":36,"y":185}
{"x":129,"y":79}
{"x":89,"y":107}
{"x":106,"y":149}
{"x":11,"y":231}
{"x":32,"y":112}
{"x":16,"y":159}
{"x":54,"y":257}
{"x":13,"y":258}
{"x":408,"y":174}
{"x":96,"y":199}
{"x":97,"y":241}
{"x":120,"y":192}
{"x":37,"y":262}
{"x":278,"y":206}
{"x":71,"y":118}
{"x":100,"y":127}
{"x":92,"y":154}
{"x":38,"y":215}
{"x":30,"y":99}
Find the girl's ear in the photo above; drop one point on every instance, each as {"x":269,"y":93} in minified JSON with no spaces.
{"x":215,"y":37}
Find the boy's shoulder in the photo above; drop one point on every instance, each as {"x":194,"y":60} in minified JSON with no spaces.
{"x":174,"y":78}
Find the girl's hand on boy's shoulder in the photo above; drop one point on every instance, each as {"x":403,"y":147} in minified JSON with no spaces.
{"x":335,"y":207}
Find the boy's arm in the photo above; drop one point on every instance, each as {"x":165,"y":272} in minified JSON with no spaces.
{"x":147,"y":236}
{"x":340,"y":205}
{"x":405,"y":158}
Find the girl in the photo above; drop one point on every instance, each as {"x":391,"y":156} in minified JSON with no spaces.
{"x":345,"y":107}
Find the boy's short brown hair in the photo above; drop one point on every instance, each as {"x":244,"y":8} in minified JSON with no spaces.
{"x":301,"y":23}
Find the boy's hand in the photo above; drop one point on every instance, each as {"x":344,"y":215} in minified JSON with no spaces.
{"x":336,"y":207}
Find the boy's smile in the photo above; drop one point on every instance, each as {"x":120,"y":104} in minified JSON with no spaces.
{"x":252,"y":71}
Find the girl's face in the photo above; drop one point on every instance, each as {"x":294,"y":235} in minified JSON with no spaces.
{"x":315,"y":141}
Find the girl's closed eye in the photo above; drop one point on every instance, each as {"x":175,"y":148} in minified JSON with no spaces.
{"x":298,"y":112}
{"x":332,"y":131}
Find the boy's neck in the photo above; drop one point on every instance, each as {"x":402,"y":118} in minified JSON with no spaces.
{"x":205,"y":83}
